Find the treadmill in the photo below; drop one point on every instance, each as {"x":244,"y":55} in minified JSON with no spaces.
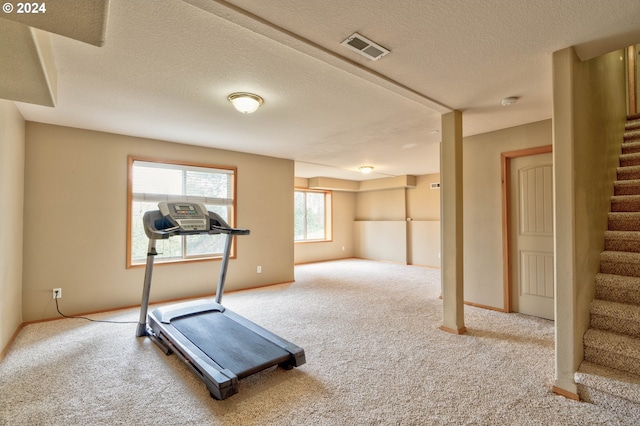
{"x":218,"y":345}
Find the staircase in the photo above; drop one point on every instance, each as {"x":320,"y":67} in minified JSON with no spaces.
{"x":610,"y":373}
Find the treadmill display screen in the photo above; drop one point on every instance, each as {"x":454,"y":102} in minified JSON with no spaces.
{"x":188,"y":216}
{"x":186,"y":210}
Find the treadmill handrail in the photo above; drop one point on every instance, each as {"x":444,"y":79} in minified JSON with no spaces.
{"x":151,"y":219}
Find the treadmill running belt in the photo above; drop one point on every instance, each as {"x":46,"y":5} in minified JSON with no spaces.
{"x":230,"y":344}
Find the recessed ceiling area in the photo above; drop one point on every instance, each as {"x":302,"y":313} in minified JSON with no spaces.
{"x":165,"y":71}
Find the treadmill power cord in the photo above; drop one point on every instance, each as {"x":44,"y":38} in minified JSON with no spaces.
{"x":89,"y":319}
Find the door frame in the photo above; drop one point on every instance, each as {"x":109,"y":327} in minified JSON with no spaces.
{"x":505,"y":170}
{"x":632,"y":88}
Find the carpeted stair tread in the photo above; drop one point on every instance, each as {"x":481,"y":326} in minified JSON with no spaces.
{"x":627,"y":187}
{"x":612,"y":350}
{"x":622,"y":318}
{"x":630,"y":160}
{"x":625,"y":203}
{"x":631,"y":147}
{"x":622,"y":241}
{"x":610,"y":380}
{"x":620,"y":263}
{"x":624,"y":221}
{"x":631,"y":135}
{"x":632,"y":125}
{"x":620,"y":390}
{"x":628,"y":173}
{"x":618,"y":288}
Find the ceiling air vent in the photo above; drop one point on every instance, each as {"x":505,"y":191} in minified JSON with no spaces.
{"x":365,"y":47}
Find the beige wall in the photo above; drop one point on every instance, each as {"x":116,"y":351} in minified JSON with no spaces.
{"x":75,"y":222}
{"x":589,"y":116}
{"x":384,"y":240}
{"x":482,"y":200}
{"x":423,"y":203}
{"x":12,"y":147}
{"x":423,"y":232}
{"x":423,"y":243}
{"x":388,"y":204}
{"x":382,"y":231}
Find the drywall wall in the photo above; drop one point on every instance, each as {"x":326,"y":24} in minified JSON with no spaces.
{"x":400,"y":225}
{"x":423,"y":232}
{"x":482,"y":200}
{"x":423,"y":202}
{"x":386,"y":204}
{"x":11,"y":222}
{"x":423,"y":243}
{"x":381,"y":240}
{"x":589,"y":116}
{"x":380,"y":228}
{"x":75,"y":222}
{"x":342,"y":242}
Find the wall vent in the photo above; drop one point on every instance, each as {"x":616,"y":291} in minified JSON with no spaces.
{"x":365,"y":47}
{"x":435,"y":185}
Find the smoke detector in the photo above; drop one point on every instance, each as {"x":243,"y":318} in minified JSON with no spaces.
{"x":365,"y":47}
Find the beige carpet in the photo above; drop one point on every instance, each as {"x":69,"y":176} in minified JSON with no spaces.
{"x":375,"y":356}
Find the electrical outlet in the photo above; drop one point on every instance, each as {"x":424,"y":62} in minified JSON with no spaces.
{"x":259,"y":270}
{"x":57,"y":293}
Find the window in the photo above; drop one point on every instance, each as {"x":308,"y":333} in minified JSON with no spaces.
{"x":153,"y":181}
{"x":312,"y":215}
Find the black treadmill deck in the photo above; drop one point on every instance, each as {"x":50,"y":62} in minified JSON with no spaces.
{"x":230,"y":344}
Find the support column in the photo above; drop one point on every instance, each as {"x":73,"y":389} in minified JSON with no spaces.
{"x":568,"y":335}
{"x":451,"y":223}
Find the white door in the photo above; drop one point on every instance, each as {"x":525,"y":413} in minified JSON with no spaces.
{"x":531,"y":196}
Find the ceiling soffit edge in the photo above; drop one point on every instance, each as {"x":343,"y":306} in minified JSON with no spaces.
{"x":267,"y":29}
{"x":31,"y":75}
{"x":81,"y":20}
{"x":393,"y":182}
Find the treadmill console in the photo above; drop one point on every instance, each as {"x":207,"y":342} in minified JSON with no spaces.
{"x":188,"y":216}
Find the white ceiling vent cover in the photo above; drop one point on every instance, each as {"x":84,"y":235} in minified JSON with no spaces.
{"x":365,"y":47}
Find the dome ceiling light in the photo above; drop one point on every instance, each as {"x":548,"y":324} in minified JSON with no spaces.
{"x":509,"y":101}
{"x":244,"y":102}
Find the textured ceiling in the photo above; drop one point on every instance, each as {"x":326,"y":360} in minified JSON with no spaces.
{"x":77,"y":19}
{"x":166,"y":69}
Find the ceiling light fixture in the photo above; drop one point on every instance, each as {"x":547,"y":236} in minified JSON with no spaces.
{"x":246,"y":103}
{"x":509,"y":101}
{"x":366,"y":169}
